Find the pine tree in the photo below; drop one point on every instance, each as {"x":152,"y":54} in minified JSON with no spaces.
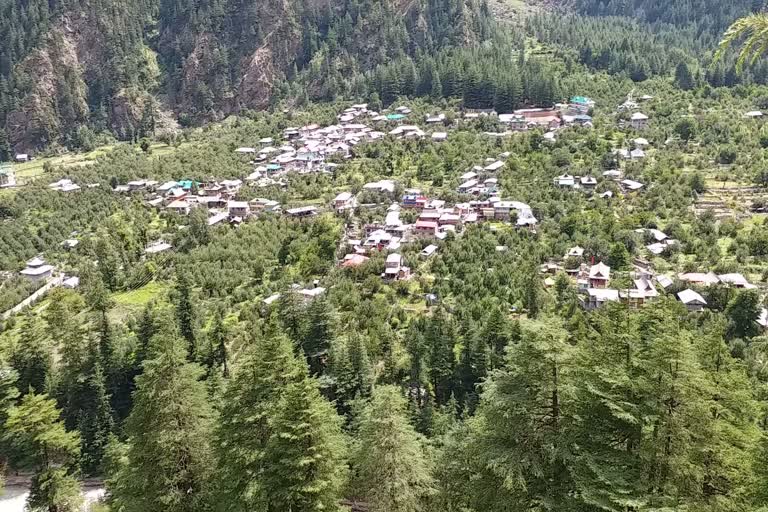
{"x":217,"y":358}
{"x":351,"y":371}
{"x":244,"y":426}
{"x":185,"y":312}
{"x":292,"y":315}
{"x":317,"y":336}
{"x":96,"y":421}
{"x":608,"y":425}
{"x":742,"y":313}
{"x":169,"y":459}
{"x":36,"y":434}
{"x":727,"y":464}
{"x":441,"y":339}
{"x":8,"y":396}
{"x":31,"y":357}
{"x":683,"y":77}
{"x":393,"y":470}
{"x":519,"y":437}
{"x":415,"y":345}
{"x":146,"y":331}
{"x":304,"y":466}
{"x":472,"y":369}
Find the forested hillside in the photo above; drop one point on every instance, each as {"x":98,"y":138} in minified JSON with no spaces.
{"x":75,"y":69}
{"x":394,"y":258}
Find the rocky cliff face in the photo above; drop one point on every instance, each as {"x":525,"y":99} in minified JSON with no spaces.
{"x":54,"y":96}
{"x":100,"y":64}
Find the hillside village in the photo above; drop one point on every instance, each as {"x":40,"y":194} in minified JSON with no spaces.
{"x":317,"y":149}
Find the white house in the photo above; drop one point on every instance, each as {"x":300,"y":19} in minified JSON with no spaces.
{"x":692,"y":300}
{"x":37,"y":270}
{"x":7,"y":177}
{"x":638,"y":121}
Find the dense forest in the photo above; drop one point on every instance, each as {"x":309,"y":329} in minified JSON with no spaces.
{"x":74,"y":73}
{"x":249,"y":367}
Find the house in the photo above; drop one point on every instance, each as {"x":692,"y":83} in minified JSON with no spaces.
{"x":633,"y":298}
{"x":664,"y":281}
{"x":7,"y":177}
{"x":22,"y":157}
{"x":64,"y":185}
{"x":383,"y":186}
{"x":70,"y":243}
{"x":425,"y":228}
{"x":755,"y":114}
{"x":435,"y":118}
{"x":641,"y":142}
{"x":271,"y":299}
{"x":245,"y":151}
{"x":493,"y":167}
{"x":638,"y":121}
{"x":646,"y":286}
{"x":736,"y":281}
{"x":212,"y":201}
{"x":547,"y":118}
{"x":692,"y":300}
{"x":157,"y":247}
{"x":310,"y":294}
{"x":71,"y":283}
{"x":762,"y":320}
{"x":515,"y":122}
{"x":588,"y":182}
{"x":699,"y":278}
{"x":467,"y":186}
{"x":565,"y":181}
{"x":575,"y":252}
{"x":167,"y":187}
{"x":428,"y":251}
{"x":599,"y":275}
{"x":353,"y":260}
{"x":637,"y":154}
{"x":449,"y":219}
{"x":302,"y":212}
{"x":631,"y":186}
{"x":657,"y":249}
{"x":392,"y":221}
{"x":238,"y":209}
{"x":439,"y":136}
{"x":597,"y":297}
{"x":414,"y":200}
{"x":344,"y":201}
{"x":378,"y":239}
{"x":37,"y":270}
{"x":180,"y":206}
{"x":136,"y":185}
{"x":394,"y":269}
{"x":407,"y":131}
{"x":217,"y":218}
{"x":261,"y":204}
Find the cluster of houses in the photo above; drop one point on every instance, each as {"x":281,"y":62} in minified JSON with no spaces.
{"x":574,"y":113}
{"x":589,"y":183}
{"x":435,"y":220}
{"x":481,"y":180}
{"x":593,"y":282}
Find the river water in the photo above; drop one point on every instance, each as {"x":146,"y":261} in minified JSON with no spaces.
{"x":13,"y":499}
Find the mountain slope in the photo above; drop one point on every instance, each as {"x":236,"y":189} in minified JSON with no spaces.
{"x":105,"y":63}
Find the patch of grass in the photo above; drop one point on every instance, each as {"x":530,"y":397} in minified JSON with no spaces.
{"x":140,"y":296}
{"x":70,"y":160}
{"x":132,"y":302}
